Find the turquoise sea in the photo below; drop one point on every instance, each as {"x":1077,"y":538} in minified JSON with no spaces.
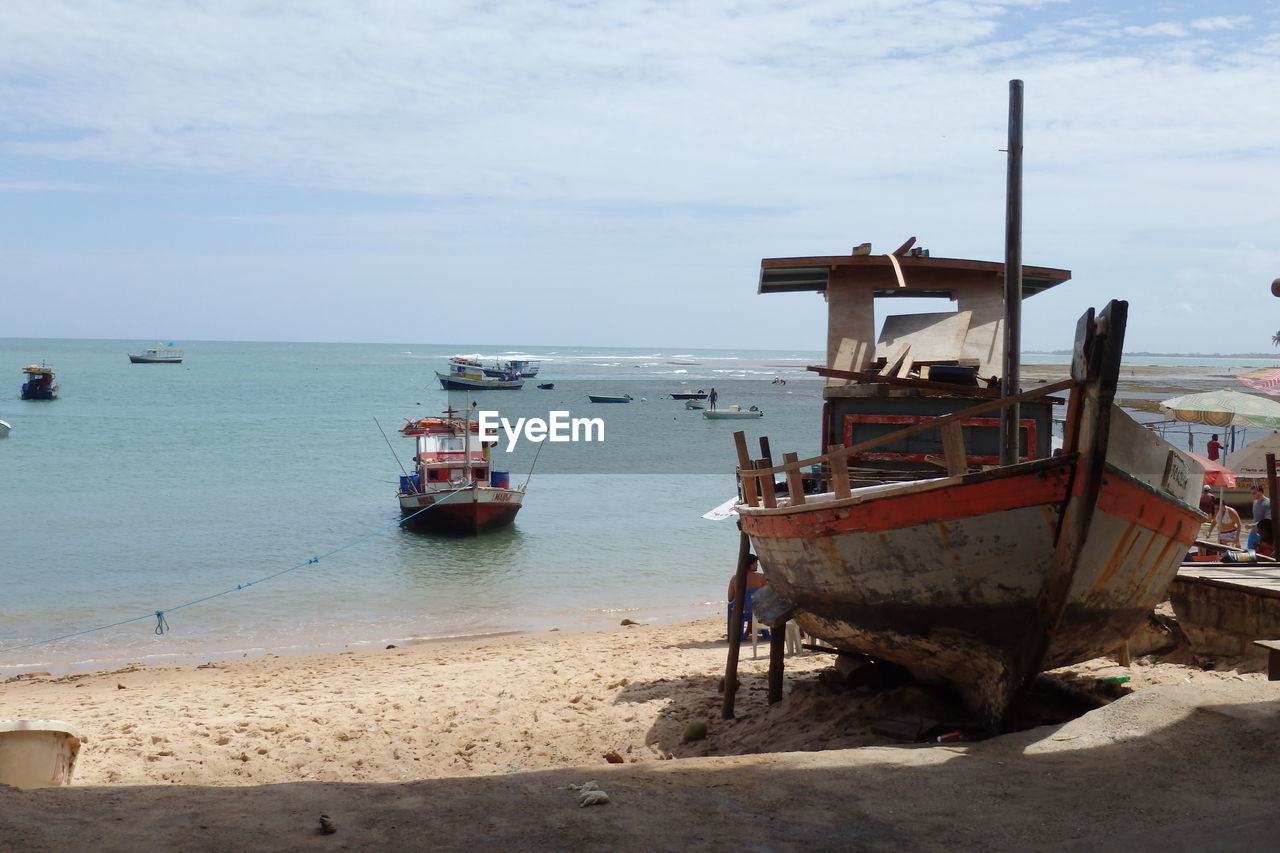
{"x":264,"y":466}
{"x":146,"y":487}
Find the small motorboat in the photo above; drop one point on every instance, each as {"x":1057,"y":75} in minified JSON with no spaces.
{"x":732,"y":413}
{"x":158,"y":354}
{"x":39,"y":384}
{"x":609,"y":398}
{"x":4,"y":429}
{"x":547,"y":386}
{"x":689,"y":395}
{"x":694,"y":404}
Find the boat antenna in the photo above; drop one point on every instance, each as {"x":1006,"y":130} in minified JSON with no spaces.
{"x":1009,"y":380}
{"x":392,"y":449}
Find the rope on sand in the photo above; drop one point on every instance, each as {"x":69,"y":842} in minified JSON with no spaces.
{"x":162,"y":625}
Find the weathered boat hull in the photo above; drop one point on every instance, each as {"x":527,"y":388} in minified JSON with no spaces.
{"x":471,"y":511}
{"x":945,"y":577}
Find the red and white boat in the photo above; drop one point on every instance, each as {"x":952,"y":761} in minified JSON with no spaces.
{"x":453,"y":487}
{"x":921,"y":548}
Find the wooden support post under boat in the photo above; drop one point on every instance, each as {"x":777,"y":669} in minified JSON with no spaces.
{"x":735,"y":627}
{"x":1275,"y":505}
{"x":795,"y":482}
{"x":750,"y":492}
{"x":777,"y":648}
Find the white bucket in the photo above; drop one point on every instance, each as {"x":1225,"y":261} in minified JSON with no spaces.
{"x":37,"y":753}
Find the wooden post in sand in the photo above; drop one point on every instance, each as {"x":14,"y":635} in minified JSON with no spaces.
{"x":735,"y":627}
{"x":1275,"y":506}
{"x":777,"y":648}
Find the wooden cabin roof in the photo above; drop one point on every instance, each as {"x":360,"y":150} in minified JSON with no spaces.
{"x":923,"y":276}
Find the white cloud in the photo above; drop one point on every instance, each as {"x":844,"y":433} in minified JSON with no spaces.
{"x":678,"y":136}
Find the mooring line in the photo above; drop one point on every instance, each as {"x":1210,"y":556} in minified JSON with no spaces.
{"x":162,"y":624}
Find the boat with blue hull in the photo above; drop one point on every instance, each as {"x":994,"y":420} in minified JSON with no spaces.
{"x":40,"y":384}
{"x":467,"y":374}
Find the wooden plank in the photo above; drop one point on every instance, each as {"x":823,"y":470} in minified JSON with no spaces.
{"x":795,"y":481}
{"x":840,"y":476}
{"x":846,"y":356}
{"x":905,"y":247}
{"x":953,"y":449}
{"x":891,"y":366}
{"x":904,"y":372}
{"x":906,"y":382}
{"x":750,"y":491}
{"x":768,"y":493}
{"x":837,"y":451}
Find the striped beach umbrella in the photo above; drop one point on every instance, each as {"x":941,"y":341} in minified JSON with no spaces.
{"x":1224,"y":408}
{"x":1266,"y":380}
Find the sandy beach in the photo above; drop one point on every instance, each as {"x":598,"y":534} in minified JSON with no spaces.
{"x":476,"y":745}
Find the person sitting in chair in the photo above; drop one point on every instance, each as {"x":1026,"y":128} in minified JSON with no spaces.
{"x":755,"y":577}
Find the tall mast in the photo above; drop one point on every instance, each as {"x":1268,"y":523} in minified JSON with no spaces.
{"x":1012,"y":279}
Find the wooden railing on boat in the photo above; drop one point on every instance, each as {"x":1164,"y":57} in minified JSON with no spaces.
{"x":757,"y":475}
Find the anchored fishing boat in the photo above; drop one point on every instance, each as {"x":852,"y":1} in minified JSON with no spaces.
{"x":40,"y":384}
{"x":467,"y":374}
{"x":609,"y":398}
{"x":520,"y":367}
{"x":453,"y":487}
{"x":158,"y":354}
{"x":688,"y":395}
{"x":930,"y":545}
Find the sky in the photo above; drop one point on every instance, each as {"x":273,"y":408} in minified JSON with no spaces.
{"x":561,"y":172}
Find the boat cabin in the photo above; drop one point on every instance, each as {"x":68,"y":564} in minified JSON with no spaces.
{"x":447,"y":455}
{"x":918,"y":365}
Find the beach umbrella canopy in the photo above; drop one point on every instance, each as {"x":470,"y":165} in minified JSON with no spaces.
{"x":1224,"y":408}
{"x":1251,"y":460}
{"x":1215,"y":473}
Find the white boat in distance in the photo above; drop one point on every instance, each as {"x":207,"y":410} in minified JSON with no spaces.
{"x":158,"y":354}
{"x":732,"y":413}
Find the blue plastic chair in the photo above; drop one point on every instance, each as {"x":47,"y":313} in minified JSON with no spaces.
{"x":745,"y":629}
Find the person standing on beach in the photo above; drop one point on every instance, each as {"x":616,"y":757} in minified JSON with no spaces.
{"x":1215,"y":448}
{"x":1228,"y":522}
{"x":1261,"y":510}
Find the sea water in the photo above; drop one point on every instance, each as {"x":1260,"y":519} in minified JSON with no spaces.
{"x":248,"y":497}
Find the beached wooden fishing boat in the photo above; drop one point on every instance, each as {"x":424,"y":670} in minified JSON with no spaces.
{"x":453,"y":488}
{"x":921,"y":548}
